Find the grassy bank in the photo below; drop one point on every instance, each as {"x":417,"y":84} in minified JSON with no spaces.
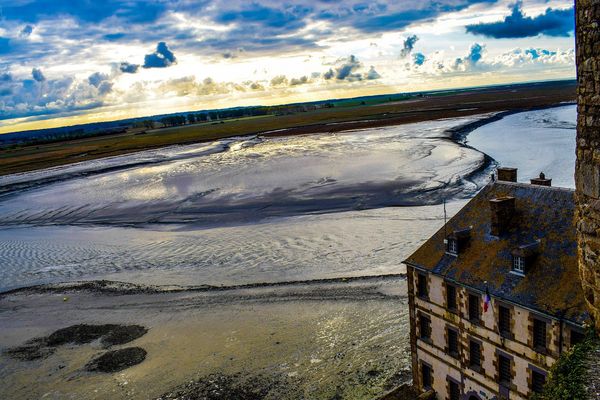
{"x":450,"y":105}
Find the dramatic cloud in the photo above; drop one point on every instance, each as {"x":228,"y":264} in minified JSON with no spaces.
{"x":372,"y":74}
{"x":128,"y":68}
{"x":279,"y":80}
{"x":37,"y":74}
{"x":551,"y":23}
{"x":409,"y":44}
{"x":329,"y":74}
{"x":299,"y":81}
{"x":101,"y":82}
{"x":161,"y":58}
{"x":347,"y":71}
{"x":475,"y":54}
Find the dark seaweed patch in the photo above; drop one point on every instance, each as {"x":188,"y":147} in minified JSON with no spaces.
{"x":117,"y":360}
{"x":109,"y":335}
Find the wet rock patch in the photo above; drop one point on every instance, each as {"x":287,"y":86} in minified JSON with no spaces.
{"x":108,"y":334}
{"x":117,"y":360}
{"x":237,"y":386}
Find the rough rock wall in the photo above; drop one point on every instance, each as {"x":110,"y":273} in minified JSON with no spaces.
{"x":587,"y":174}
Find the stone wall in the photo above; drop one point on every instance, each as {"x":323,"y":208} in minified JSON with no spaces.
{"x":587,"y":175}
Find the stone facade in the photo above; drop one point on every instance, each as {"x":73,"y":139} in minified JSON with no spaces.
{"x":587,"y":175}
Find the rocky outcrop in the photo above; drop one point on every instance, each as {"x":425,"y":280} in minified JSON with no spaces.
{"x":587,"y":175}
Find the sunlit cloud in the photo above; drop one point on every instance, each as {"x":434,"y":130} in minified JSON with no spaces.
{"x":64,"y":59}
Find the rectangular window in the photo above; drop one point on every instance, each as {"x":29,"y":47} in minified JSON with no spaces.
{"x":504,"y":370}
{"x":426,"y":375}
{"x":454,"y":390}
{"x":519,"y":264}
{"x":425,"y":327}
{"x":474,"y":354}
{"x":422,"y":285}
{"x":538,"y":380}
{"x":451,"y":297}
{"x":452,"y":343}
{"x":576,"y":337}
{"x":539,"y":334}
{"x":453,"y":246}
{"x":504,"y":321}
{"x":473,"y":308}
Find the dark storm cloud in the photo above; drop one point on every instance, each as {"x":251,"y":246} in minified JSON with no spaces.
{"x":37,"y":74}
{"x":409,"y":44}
{"x":129,"y":68}
{"x":161,"y":58}
{"x":551,"y":23}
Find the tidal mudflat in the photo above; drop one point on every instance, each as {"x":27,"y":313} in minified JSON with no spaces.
{"x":258,"y":259}
{"x":342,"y":339}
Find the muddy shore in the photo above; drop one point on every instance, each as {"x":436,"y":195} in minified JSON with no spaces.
{"x":345,"y":339}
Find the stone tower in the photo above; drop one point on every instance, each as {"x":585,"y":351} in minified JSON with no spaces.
{"x":587,"y":174}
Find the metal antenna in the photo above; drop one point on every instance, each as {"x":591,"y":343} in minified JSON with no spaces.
{"x":445,"y":233}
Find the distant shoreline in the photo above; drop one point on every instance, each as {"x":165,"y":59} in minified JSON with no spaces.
{"x":476,"y":102}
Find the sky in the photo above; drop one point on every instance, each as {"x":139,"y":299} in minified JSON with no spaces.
{"x":65,"y":62}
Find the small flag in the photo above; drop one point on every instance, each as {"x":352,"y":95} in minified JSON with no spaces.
{"x":486,"y":300}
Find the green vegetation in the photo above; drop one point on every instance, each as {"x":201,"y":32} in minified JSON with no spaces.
{"x":568,"y":376}
{"x":333,"y":116}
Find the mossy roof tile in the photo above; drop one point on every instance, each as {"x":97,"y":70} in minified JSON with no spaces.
{"x":545,"y":214}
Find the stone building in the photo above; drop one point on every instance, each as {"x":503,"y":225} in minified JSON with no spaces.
{"x":513,"y":251}
{"x":587,"y":175}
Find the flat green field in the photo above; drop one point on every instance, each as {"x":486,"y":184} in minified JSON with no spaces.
{"x":450,"y":105}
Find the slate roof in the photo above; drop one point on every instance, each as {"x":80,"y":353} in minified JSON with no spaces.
{"x":545,"y":214}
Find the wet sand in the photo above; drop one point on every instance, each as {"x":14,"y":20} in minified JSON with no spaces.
{"x":328,"y":339}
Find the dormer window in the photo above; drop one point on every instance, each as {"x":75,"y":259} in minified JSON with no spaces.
{"x":523,"y":257}
{"x":519,"y":264}
{"x":457,"y":241}
{"x":453,"y":246}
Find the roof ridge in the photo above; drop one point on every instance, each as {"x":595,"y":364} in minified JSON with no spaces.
{"x":533,"y":186}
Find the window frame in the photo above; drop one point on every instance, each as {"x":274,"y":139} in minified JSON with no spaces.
{"x":449,"y":351}
{"x":425,"y":366}
{"x":501,"y":379}
{"x":456,"y":384}
{"x":536,"y":346}
{"x":532,"y":383}
{"x":422,"y":286}
{"x":477,"y":319}
{"x":519,"y":265}
{"x":453,"y":247}
{"x":473,"y":366}
{"x":578,"y":333}
{"x":427,"y":330}
{"x":505,"y":333}
{"x":452,"y":287}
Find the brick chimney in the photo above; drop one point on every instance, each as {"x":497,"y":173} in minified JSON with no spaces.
{"x":507,"y":174}
{"x":502,"y":212}
{"x":541,"y":180}
{"x":587,"y":171}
